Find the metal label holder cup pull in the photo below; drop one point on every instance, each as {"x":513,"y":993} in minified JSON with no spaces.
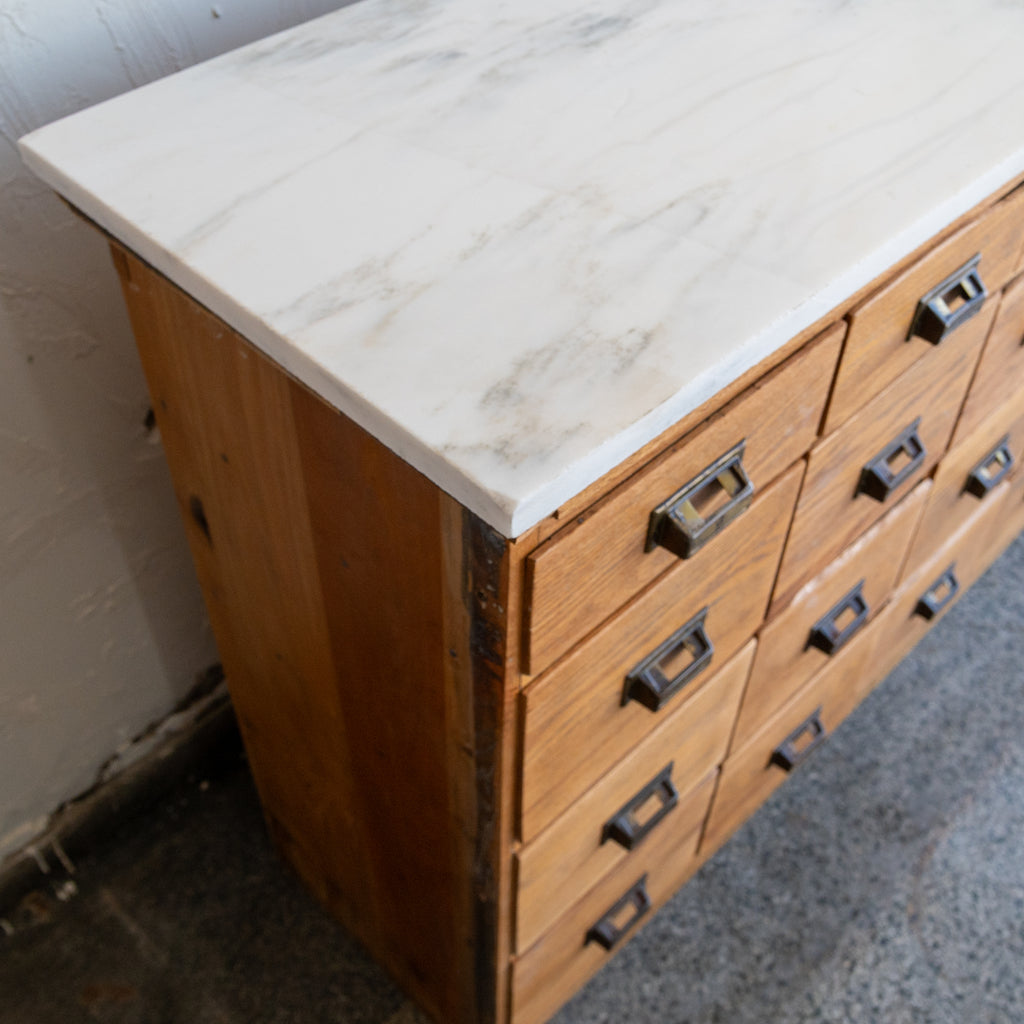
{"x":949,"y":304}
{"x":991,"y":471}
{"x":828,"y":635}
{"x":626,"y":827}
{"x":940,"y":594}
{"x":800,"y":743}
{"x":671,"y":665}
{"x":896,"y":463}
{"x":608,"y":932}
{"x":702,"y":508}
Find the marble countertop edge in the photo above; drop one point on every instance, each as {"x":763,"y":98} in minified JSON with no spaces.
{"x":509,"y":515}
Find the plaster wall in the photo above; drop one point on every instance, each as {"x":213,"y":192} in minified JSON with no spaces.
{"x":102,"y":631}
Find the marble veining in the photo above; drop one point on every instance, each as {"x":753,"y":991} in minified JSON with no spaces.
{"x":516,"y":240}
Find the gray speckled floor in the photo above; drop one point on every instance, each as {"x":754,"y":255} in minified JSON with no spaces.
{"x":884,"y":884}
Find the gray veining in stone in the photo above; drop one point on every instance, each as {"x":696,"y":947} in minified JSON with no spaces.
{"x":516,"y":241}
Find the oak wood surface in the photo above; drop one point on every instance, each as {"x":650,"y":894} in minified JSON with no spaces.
{"x":748,"y":776}
{"x":575,"y":725}
{"x":548,"y":973}
{"x":785,"y":660}
{"x":969,"y":551}
{"x":999,"y":377}
{"x":1013,"y":521}
{"x":578,"y":578}
{"x":363,"y":639}
{"x":877,"y":349}
{"x":570,"y":856}
{"x":950,"y":504}
{"x":831,"y":512}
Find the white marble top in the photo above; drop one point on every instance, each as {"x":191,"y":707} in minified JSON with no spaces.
{"x":517,"y":239}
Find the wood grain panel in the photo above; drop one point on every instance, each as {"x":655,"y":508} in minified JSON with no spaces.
{"x":785,"y":660}
{"x":584,"y":573}
{"x":1000,"y":374}
{"x":969,"y":551}
{"x":877,"y":349}
{"x":950,"y":504}
{"x":364,"y":648}
{"x":831,"y":512}
{"x":570,"y":856}
{"x":1013,"y":521}
{"x":748,"y":776}
{"x":555,"y":967}
{"x":575,"y":726}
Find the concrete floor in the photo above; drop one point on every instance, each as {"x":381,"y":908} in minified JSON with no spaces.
{"x":883,"y":885}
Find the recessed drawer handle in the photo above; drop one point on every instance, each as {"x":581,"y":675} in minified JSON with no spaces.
{"x":828,"y":634}
{"x":626,"y":828}
{"x":949,"y":303}
{"x":702,"y":508}
{"x":618,"y":919}
{"x":671,"y":665}
{"x":941,"y":593}
{"x":800,"y":743}
{"x":897,"y":462}
{"x":992,"y":469}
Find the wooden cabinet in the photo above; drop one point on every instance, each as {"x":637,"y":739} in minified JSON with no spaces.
{"x":494,"y":757}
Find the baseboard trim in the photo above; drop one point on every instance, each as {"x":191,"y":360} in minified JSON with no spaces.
{"x":209,"y":744}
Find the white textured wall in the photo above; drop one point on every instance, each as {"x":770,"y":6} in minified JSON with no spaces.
{"x":101,"y":625}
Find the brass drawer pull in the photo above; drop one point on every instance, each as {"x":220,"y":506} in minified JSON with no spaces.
{"x":992,"y":469}
{"x":940,"y":594}
{"x":827,"y":635}
{"x":608,"y":932}
{"x":896,"y":463}
{"x":949,"y":304}
{"x":800,"y":743}
{"x":625,"y":828}
{"x":671,"y":665}
{"x":702,"y":508}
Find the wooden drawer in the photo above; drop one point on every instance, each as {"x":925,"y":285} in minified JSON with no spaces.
{"x":1000,"y":374}
{"x":591,"y":568}
{"x":880,"y":347}
{"x":570,"y":952}
{"x":584,"y":844}
{"x":751,"y":774}
{"x":802,"y":639}
{"x":933,"y":588}
{"x":835,"y":504}
{"x":968,"y":476}
{"x":575,"y":724}
{"x":1013,"y":520}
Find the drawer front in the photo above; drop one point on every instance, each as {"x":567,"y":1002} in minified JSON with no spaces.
{"x":588,"y":570}
{"x":633,"y":801}
{"x":575,"y":722}
{"x":608,"y":915}
{"x":883,"y":339}
{"x":865,"y":467}
{"x":752,"y":773}
{"x":1000,"y":374}
{"x":934,"y":587}
{"x":969,"y":477}
{"x":1013,"y":520}
{"x":827,"y":614}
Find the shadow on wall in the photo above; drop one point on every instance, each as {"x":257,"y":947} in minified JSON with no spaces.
{"x":103,"y":630}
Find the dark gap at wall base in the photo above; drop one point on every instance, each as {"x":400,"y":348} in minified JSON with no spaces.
{"x":208,"y":747}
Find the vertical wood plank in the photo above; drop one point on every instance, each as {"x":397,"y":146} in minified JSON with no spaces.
{"x":362,"y":619}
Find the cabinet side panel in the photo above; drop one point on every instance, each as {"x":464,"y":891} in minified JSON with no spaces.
{"x":226,"y":427}
{"x":341,"y":588}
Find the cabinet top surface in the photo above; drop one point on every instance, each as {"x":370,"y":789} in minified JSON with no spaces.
{"x":517,"y":240}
